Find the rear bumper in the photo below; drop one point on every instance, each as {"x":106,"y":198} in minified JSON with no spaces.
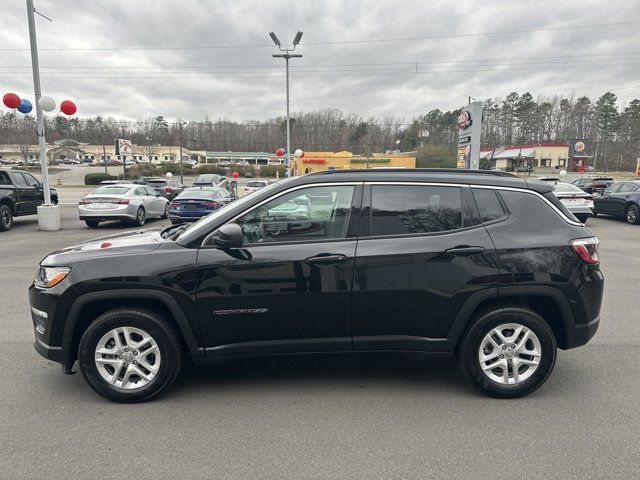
{"x":578,"y":335}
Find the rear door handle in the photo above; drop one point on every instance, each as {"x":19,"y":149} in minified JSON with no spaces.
{"x":325,"y":259}
{"x":465,"y":251}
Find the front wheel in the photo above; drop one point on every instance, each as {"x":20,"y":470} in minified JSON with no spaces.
{"x":92,"y":223}
{"x":508,"y":352}
{"x":632,"y":215}
{"x":130,"y":355}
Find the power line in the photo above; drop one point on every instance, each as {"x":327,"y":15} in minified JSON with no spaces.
{"x":343,"y":42}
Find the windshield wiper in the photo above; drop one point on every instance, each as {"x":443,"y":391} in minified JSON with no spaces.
{"x":171,"y":231}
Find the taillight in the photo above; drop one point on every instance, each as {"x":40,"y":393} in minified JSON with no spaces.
{"x":84,"y":202}
{"x":167,"y":189}
{"x":587,"y":249}
{"x":174,"y":204}
{"x":124,"y":201}
{"x":210,"y":204}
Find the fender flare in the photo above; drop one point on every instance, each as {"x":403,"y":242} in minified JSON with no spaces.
{"x":166,"y":299}
{"x":504,"y":293}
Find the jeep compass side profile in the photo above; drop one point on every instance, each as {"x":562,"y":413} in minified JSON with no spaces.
{"x":482,"y":265}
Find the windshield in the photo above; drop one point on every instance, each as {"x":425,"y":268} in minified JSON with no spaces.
{"x":203,"y":224}
{"x":202,"y":193}
{"x":256,"y":184}
{"x":567,"y":187}
{"x":110,"y":190}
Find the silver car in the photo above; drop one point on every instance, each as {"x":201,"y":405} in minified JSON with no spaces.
{"x":254,"y":185}
{"x":575,"y":199}
{"x":128,"y":202}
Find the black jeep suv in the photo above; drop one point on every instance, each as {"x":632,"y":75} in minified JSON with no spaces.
{"x":485,"y":266}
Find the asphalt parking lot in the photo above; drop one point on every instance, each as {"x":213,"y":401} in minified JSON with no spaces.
{"x":336,"y":417}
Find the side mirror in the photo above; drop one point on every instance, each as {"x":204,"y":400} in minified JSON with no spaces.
{"x":227,"y":236}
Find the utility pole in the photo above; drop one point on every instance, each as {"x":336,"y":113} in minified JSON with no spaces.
{"x":48,"y":214}
{"x":287,"y":56}
{"x":180,"y":124}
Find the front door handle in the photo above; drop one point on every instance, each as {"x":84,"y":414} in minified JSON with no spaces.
{"x":325,"y":259}
{"x":464,"y":251}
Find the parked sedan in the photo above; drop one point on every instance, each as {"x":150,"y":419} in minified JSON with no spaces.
{"x":210,"y":180}
{"x":168,"y":189}
{"x":622,"y":199}
{"x":194,"y":203}
{"x":593,"y":184}
{"x":254,"y":185}
{"x":575,"y":199}
{"x":128,"y":202}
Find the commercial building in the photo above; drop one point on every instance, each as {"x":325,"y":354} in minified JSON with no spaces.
{"x":321,"y":161}
{"x":228,"y":158}
{"x":539,"y":157}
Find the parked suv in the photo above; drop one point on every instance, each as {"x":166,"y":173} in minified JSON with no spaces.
{"x":431,"y":263}
{"x":20,"y":194}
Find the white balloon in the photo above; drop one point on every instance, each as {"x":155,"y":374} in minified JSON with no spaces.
{"x":298,"y":152}
{"x":169,"y":174}
{"x":563,"y":173}
{"x":47,"y":104}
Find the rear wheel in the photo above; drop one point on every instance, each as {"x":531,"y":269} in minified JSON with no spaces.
{"x":632,"y":214}
{"x":6,"y":218}
{"x":508,"y":352}
{"x":130,"y":355}
{"x":166,"y":211}
{"x":92,"y":223}
{"x":141,"y":217}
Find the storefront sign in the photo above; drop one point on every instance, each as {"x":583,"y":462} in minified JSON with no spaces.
{"x":464,"y":120}
{"x":469,"y":124}
{"x":314,"y":160}
{"x":371,"y":160}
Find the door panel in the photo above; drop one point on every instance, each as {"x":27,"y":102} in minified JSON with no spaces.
{"x":270,"y":296}
{"x":411,"y":288}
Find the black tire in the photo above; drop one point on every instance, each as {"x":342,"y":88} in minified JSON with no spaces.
{"x":141,"y":217}
{"x":632,"y":215}
{"x":468,"y":348}
{"x":594,"y":214}
{"x":92,"y":223}
{"x":54,"y":200}
{"x":158,"y":327}
{"x":6,"y":218}
{"x":165,"y":215}
{"x":582,"y":218}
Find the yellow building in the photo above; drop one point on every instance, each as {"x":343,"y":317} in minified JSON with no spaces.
{"x":321,"y":161}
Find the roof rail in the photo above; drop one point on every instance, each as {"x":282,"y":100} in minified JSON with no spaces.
{"x":421,"y":170}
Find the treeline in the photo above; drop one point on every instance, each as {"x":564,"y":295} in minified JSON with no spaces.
{"x":614,"y":129}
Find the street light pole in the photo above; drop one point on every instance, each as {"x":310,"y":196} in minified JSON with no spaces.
{"x":287,"y":56}
{"x":48,"y":214}
{"x":180,"y":124}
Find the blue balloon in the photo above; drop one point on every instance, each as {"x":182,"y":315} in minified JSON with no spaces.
{"x":25,"y":106}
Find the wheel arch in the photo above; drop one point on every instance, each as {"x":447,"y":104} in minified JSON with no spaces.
{"x":548,"y":302}
{"x":7,"y":201}
{"x":89,"y":306}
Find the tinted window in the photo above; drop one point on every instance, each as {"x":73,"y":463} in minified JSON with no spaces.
{"x":314,"y":213}
{"x":489,"y":204}
{"x":18,"y":179}
{"x":150,"y":191}
{"x":4,"y":179}
{"x":400,"y":209}
{"x":627,"y":188}
{"x":31,"y":180}
{"x":613,"y":188}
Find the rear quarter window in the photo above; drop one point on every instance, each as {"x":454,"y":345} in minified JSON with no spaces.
{"x":489,"y":204}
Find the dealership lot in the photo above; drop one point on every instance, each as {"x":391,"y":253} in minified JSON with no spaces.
{"x":336,"y":417}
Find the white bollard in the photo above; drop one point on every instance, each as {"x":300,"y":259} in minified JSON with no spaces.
{"x":49,"y":218}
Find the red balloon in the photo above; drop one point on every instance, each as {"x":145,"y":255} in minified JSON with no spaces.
{"x":68,"y":107}
{"x":302,"y":154}
{"x":280,"y":152}
{"x":11,"y":100}
{"x":234,"y":174}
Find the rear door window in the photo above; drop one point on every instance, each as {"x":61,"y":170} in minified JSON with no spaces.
{"x":415,"y":209}
{"x":489,"y":205}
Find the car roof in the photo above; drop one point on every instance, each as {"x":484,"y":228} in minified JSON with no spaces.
{"x":434,"y":175}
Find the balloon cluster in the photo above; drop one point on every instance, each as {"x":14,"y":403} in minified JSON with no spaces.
{"x":47,"y":104}
{"x":281,"y":151}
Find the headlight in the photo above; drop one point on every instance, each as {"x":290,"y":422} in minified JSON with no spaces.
{"x":47,"y":277}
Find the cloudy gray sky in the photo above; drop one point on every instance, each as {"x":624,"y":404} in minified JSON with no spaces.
{"x":134,"y":59}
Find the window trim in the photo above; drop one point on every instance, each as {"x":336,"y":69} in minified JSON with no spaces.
{"x":356,"y":205}
{"x":507,"y":213}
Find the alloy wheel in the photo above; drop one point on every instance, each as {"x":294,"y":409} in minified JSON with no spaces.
{"x":632,"y":214}
{"x":127,"y":358}
{"x":509,"y":354}
{"x":6,"y":218}
{"x":141,"y":217}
